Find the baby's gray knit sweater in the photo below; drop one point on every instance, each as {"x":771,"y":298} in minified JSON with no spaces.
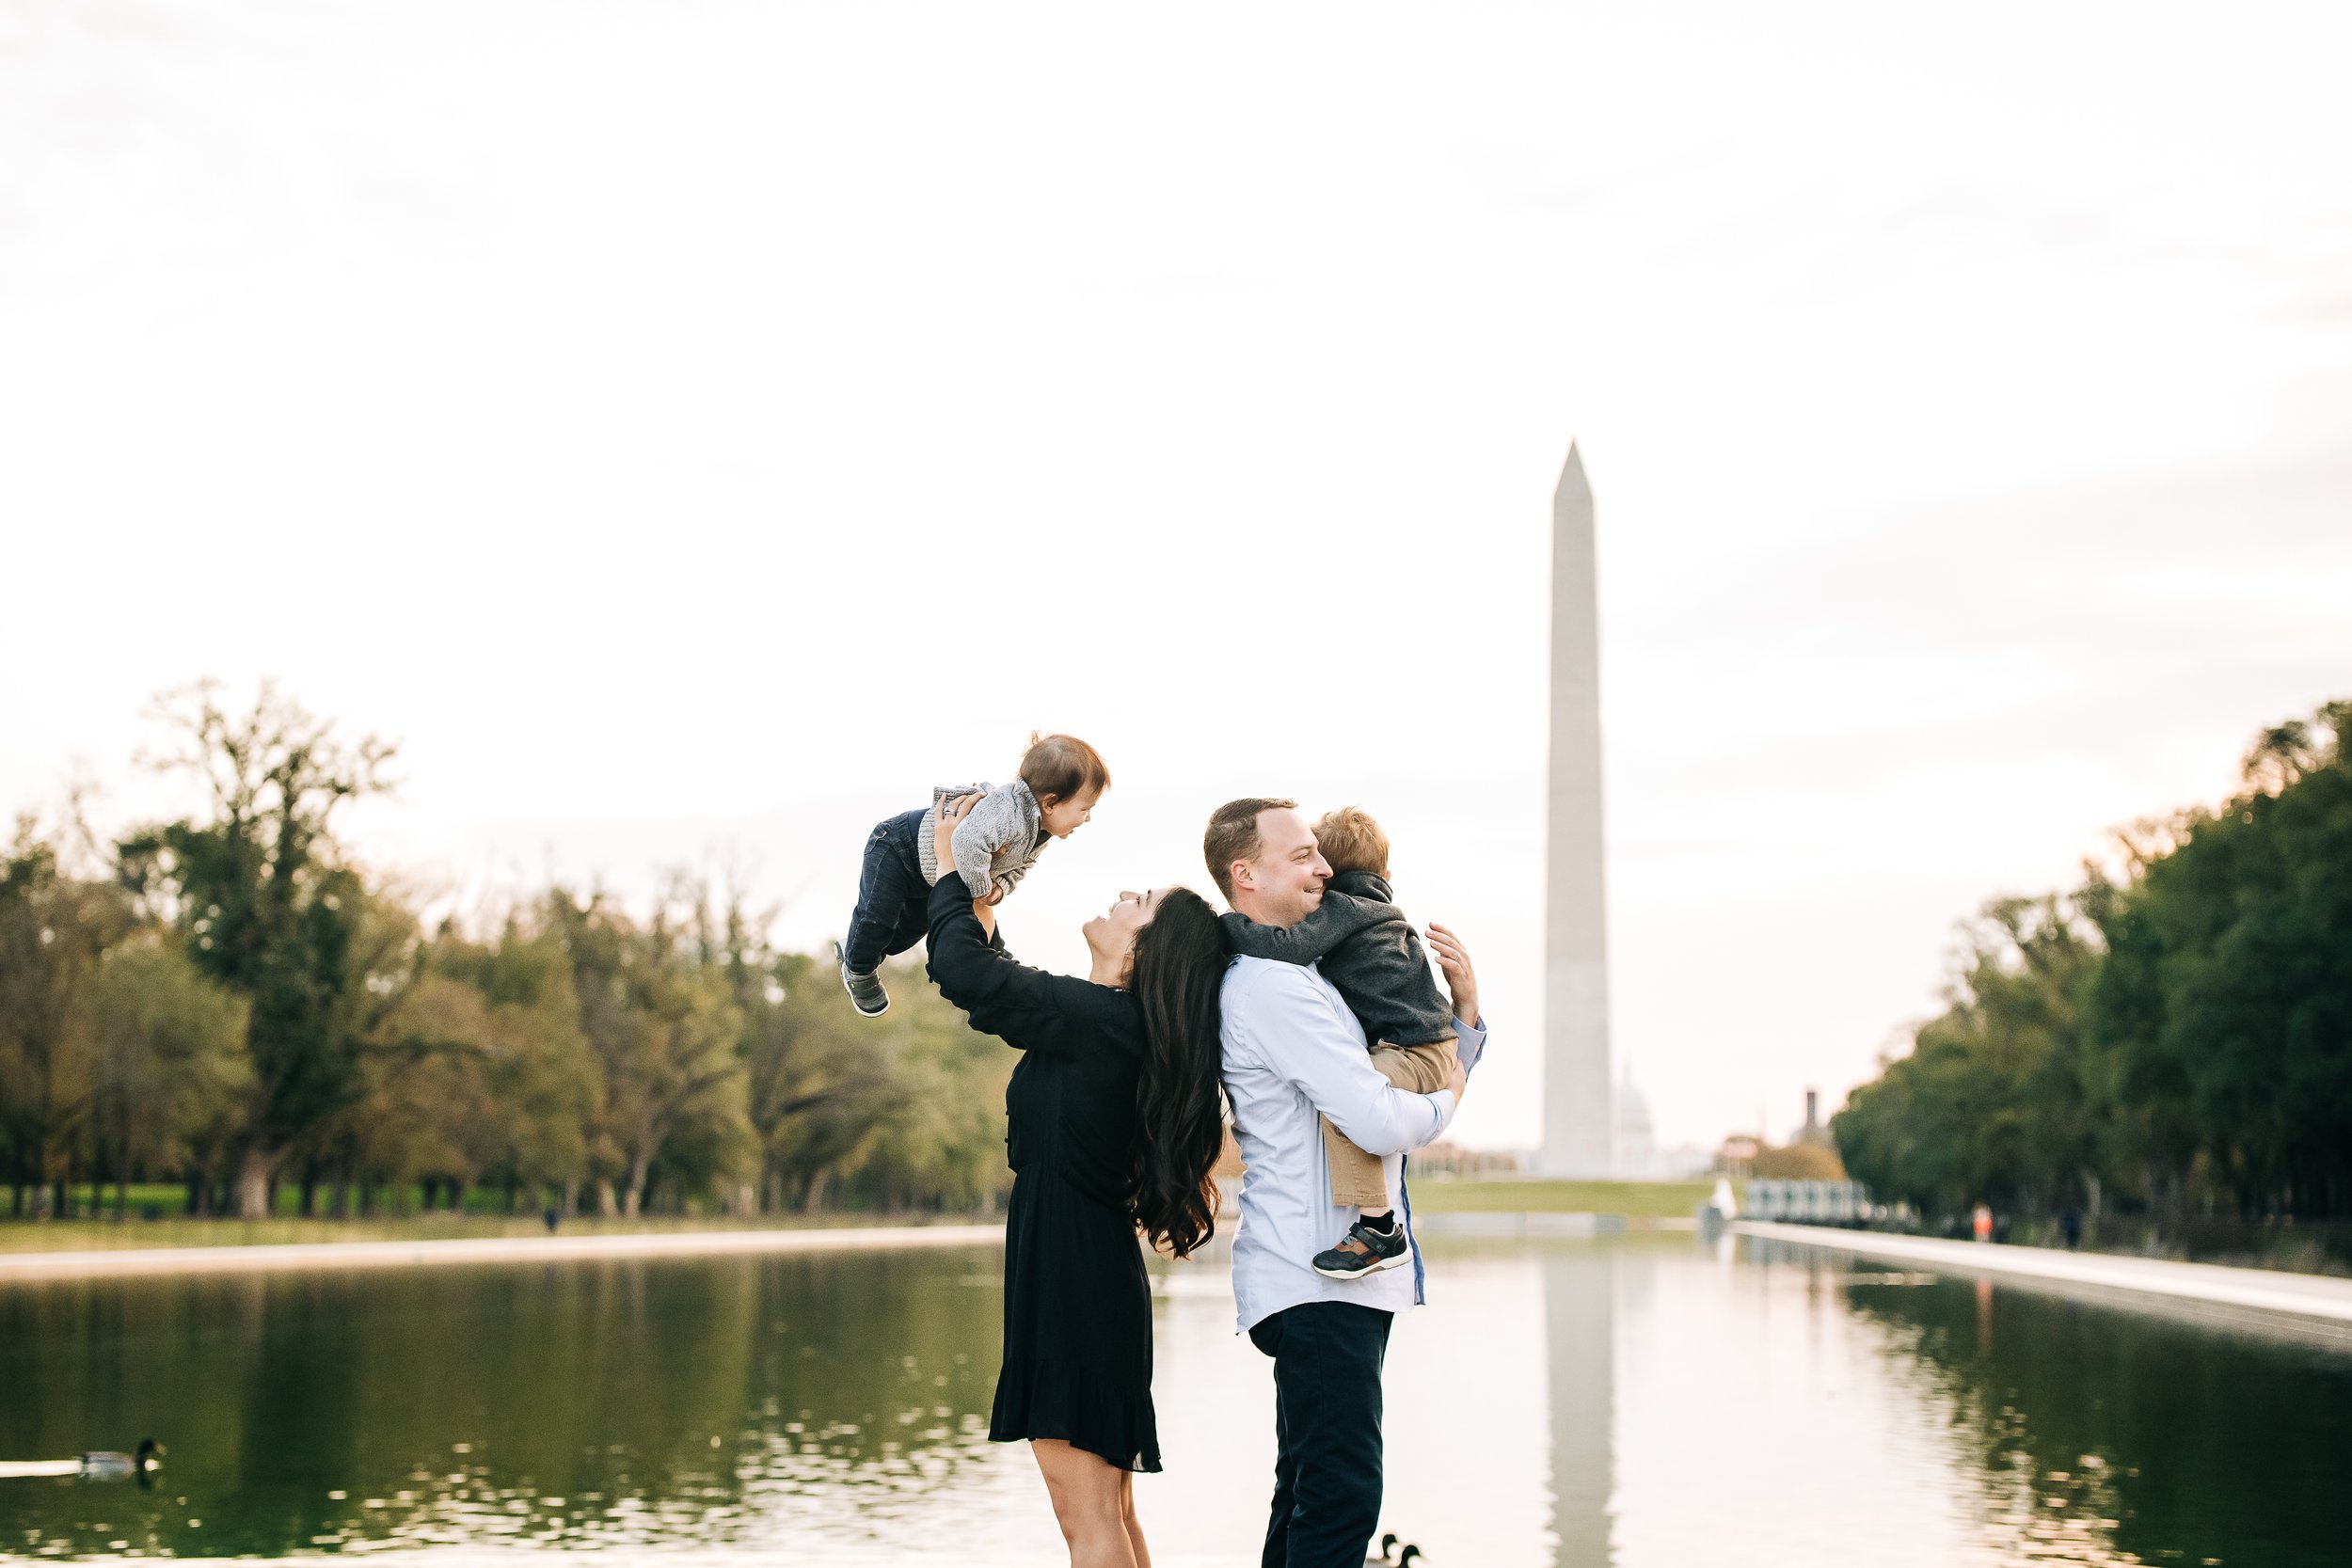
{"x":994,"y":846}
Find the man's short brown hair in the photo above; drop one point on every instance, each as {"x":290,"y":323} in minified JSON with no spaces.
{"x":1352,"y":841}
{"x":1232,"y":835}
{"x":1063,"y":766}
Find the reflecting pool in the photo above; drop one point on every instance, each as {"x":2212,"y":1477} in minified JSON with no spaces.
{"x":1635,"y":1400}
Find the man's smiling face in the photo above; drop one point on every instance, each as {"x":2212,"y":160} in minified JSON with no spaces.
{"x":1285,"y":881}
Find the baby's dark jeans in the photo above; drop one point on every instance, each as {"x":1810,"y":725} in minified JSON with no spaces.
{"x":892,"y":897}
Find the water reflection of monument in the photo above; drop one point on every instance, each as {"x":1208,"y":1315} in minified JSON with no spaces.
{"x":1581,"y":1284}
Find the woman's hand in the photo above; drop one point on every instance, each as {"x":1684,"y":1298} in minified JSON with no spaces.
{"x":951,"y":817}
{"x":1454,"y":959}
{"x":983,"y":914}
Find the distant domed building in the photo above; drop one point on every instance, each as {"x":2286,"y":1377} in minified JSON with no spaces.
{"x":1639,"y":1158}
{"x":1637,"y":1143}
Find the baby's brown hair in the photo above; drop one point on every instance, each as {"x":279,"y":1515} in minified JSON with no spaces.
{"x":1061,"y":765}
{"x":1352,"y":841}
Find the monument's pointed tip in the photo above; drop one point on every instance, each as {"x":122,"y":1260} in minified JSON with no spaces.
{"x":1573,"y":485}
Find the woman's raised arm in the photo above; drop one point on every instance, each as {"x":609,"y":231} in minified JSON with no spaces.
{"x":1023,"y":1006}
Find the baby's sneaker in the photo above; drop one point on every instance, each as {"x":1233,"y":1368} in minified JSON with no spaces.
{"x":865,"y":991}
{"x":1367,"y":1248}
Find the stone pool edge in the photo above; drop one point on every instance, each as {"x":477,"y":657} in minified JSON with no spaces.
{"x":481,"y":1249}
{"x":2318,"y":1301}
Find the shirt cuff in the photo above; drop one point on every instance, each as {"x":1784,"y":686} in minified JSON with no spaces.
{"x":1469,"y":1042}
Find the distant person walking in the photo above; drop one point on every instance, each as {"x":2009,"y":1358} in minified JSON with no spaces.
{"x":1295,"y":1056}
{"x":1113,"y":1126}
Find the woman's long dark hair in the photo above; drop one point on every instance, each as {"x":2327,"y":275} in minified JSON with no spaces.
{"x":1180,"y":969}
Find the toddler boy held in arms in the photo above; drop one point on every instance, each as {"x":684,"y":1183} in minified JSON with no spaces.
{"x":1062,"y":780}
{"x":1361,"y":942}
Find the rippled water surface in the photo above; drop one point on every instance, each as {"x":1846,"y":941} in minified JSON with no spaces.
{"x":1636,"y":1400}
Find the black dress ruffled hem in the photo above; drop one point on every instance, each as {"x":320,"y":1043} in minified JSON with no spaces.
{"x":1066,"y":1403}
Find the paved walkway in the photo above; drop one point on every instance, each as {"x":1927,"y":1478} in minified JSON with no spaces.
{"x":496,"y":1250}
{"x":2270,"y":1290}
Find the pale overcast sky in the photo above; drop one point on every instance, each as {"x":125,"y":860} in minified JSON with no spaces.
{"x":694,"y":427}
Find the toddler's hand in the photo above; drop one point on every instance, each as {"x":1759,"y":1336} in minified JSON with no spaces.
{"x":1460,"y":978}
{"x":995,"y":895}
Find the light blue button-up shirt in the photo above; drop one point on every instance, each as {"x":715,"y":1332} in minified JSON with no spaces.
{"x":1291,"y":1050}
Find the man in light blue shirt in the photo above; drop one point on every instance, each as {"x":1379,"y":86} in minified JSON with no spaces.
{"x":1293,"y":1053}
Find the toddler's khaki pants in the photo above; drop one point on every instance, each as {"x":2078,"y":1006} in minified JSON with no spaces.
{"x":1357,"y":1180}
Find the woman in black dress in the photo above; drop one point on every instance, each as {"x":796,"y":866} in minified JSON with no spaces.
{"x":1113,"y":1123}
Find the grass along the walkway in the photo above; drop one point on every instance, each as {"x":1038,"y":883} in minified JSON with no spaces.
{"x":1643,"y":1199}
{"x":87,"y":1235}
{"x":1433,"y":1193}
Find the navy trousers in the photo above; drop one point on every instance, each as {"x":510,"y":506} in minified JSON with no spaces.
{"x":1327,"y":1356}
{"x":893,"y":900}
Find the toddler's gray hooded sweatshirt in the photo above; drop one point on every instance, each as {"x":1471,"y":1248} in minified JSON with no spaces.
{"x":1360,"y":941}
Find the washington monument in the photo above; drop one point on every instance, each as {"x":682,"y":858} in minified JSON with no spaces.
{"x":1577,"y":1122}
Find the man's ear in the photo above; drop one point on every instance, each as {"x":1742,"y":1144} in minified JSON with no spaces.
{"x":1241,"y":873}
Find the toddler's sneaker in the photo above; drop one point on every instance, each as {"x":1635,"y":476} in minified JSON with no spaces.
{"x":1365,"y":1249}
{"x":865,"y":991}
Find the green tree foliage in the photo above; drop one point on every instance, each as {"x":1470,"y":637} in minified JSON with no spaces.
{"x":905,"y":1111}
{"x":943,"y":1141}
{"x":2225,"y":1007}
{"x":1799,"y":1161}
{"x":822,"y":1080}
{"x":233,"y":999}
{"x":1990,"y":1102}
{"x":54,"y":928}
{"x":269,"y":906}
{"x":487,"y":1066}
{"x":660,"y":1016}
{"x":171,"y":1072}
{"x":2177,"y":1039}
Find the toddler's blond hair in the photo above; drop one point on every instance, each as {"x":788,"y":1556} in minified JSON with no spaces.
{"x":1352,"y":841}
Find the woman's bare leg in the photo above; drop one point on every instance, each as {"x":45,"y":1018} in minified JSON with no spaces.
{"x":1134,"y":1526}
{"x":1094,"y":1502}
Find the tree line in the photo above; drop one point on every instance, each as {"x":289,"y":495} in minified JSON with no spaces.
{"x":2173,"y":1038}
{"x":230,"y":1003}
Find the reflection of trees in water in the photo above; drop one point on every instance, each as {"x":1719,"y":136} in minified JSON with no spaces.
{"x":2095,"y":1435}
{"x":617,"y":1403}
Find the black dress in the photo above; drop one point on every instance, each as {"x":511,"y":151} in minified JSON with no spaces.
{"x":1077,"y":1305}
